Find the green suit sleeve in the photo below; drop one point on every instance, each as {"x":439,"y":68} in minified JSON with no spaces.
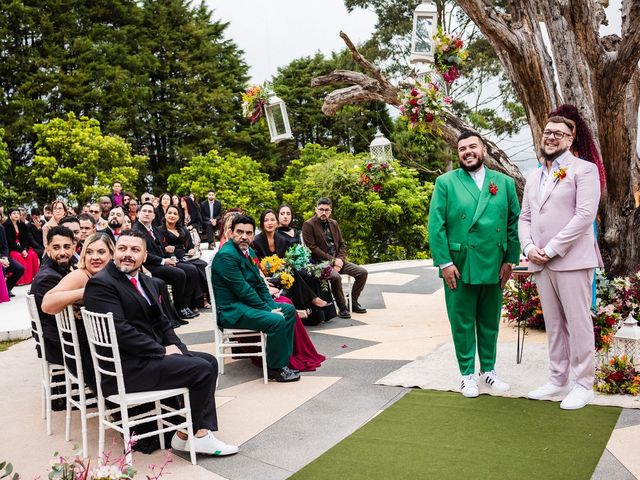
{"x":513,"y":243}
{"x":229,"y":272}
{"x":437,"y":225}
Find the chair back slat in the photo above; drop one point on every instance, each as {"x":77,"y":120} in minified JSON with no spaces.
{"x":68,"y":332}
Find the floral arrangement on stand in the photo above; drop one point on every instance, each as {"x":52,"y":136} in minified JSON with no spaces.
{"x":254,"y":101}
{"x":605,"y":324}
{"x":423,"y":103}
{"x":277,"y":270}
{"x":618,"y":375}
{"x":449,"y":55}
{"x":374,"y":173}
{"x":521,"y":303}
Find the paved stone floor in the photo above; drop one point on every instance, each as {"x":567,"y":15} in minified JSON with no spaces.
{"x":282,"y":427}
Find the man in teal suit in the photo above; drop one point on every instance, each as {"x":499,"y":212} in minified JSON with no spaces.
{"x":473,"y":233}
{"x":243,"y":299}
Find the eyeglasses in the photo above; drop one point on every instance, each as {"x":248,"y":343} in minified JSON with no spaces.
{"x":94,"y":211}
{"x":557,"y":134}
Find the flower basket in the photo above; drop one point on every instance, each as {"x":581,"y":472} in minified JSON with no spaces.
{"x":254,"y":101}
{"x":618,"y":376}
{"x":449,"y":55}
{"x":374,"y":173}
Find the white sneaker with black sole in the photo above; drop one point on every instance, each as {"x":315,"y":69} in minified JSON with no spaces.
{"x":492,"y":380}
{"x":469,"y":386}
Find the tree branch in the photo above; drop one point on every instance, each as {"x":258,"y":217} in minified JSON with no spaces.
{"x":629,"y":49}
{"x":490,"y":22}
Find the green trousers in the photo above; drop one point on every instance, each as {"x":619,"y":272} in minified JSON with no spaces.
{"x":474,"y":312}
{"x":279,"y":330}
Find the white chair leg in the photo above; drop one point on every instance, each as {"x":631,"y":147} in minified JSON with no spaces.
{"x":190,"y":432}
{"x":159,"y":424}
{"x":44,"y":402}
{"x":49,"y":412}
{"x":83,"y":426}
{"x":126,"y":434}
{"x":67,"y":396}
{"x":265,"y":376}
{"x":102,"y":415}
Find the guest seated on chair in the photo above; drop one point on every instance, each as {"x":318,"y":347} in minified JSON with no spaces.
{"x":20,"y":249}
{"x":284,"y":215}
{"x":153,"y":357}
{"x":35,"y":232}
{"x":243,"y":299}
{"x":12,"y":268}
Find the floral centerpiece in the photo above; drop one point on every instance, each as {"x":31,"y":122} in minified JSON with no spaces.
{"x":449,"y":55}
{"x":618,"y":376}
{"x":522,"y":303}
{"x":605,"y":323}
{"x":422,"y":104}
{"x":373,"y":173}
{"x":321,"y":271}
{"x":277,"y":270}
{"x":254,"y":101}
{"x":297,"y":256}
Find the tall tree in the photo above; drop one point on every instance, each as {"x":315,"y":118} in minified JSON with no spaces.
{"x":598,"y":74}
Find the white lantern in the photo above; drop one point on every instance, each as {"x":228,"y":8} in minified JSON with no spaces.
{"x":424,"y":28}
{"x":626,"y":341}
{"x":380,"y":148}
{"x":277,"y":119}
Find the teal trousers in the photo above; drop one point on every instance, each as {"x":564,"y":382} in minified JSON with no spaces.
{"x":474,"y":316}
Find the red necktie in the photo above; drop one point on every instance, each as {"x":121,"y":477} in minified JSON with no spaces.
{"x":246,"y":254}
{"x":134,"y":282}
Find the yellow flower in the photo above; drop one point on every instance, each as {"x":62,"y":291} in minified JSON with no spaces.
{"x":286,"y":280}
{"x":271,"y":265}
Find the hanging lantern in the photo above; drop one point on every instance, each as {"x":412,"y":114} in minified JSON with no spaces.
{"x":380,"y":148}
{"x":424,"y":28}
{"x":277,"y":119}
{"x":626,"y":340}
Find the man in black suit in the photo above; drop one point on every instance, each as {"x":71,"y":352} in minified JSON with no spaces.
{"x":9,"y":265}
{"x":210,"y":209}
{"x":55,"y":265}
{"x":114,"y":223}
{"x":153,"y":357}
{"x":162,"y":267}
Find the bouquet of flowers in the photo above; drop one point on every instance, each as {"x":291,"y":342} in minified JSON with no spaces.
{"x":421,"y":104}
{"x":254,"y":100}
{"x":277,"y":270}
{"x":321,"y":271}
{"x":271,"y":265}
{"x":297,"y":256}
{"x":449,"y":55}
{"x":605,"y":323}
{"x":523,"y":304}
{"x":618,"y":376}
{"x":373,"y":173}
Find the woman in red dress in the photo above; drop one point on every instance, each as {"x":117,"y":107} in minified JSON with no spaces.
{"x":19,"y":246}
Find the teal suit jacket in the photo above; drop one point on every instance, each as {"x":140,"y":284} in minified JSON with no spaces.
{"x":238,"y":286}
{"x":474,"y":229}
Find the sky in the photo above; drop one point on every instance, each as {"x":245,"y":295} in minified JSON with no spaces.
{"x":272,"y":33}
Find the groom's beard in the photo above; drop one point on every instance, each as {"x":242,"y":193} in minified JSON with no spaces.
{"x":550,"y":157}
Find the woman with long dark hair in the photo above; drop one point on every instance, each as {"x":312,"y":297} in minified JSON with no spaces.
{"x":20,"y":248}
{"x":164,"y":202}
{"x":191,"y":217}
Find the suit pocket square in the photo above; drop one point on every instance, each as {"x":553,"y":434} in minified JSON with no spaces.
{"x":455,"y":247}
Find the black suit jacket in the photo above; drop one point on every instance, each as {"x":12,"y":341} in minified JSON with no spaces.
{"x":17,"y":244}
{"x":48,"y":276}
{"x":206,"y":214}
{"x":4,"y":246}
{"x":261,"y":245}
{"x":155,"y":249}
{"x":143,"y":330}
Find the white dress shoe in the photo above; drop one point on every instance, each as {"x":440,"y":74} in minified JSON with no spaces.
{"x":577,"y":398}
{"x":177,"y":443}
{"x":210,"y":445}
{"x":546,"y":391}
{"x":491,"y":379}
{"x":469,"y":386}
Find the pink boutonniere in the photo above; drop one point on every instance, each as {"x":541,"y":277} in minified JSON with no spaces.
{"x":493,"y":188}
{"x":560,"y":174}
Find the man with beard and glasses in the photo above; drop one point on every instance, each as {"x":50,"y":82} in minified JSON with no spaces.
{"x":55,"y":265}
{"x":473,"y":220}
{"x":153,"y":357}
{"x":559,"y":206}
{"x":114,"y":223}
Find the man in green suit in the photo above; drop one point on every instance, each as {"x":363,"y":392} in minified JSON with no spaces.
{"x":243,"y":299}
{"x":473,"y":233}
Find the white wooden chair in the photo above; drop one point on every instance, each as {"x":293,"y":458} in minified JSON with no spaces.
{"x":47,"y":370}
{"x":346,"y":289}
{"x":76,"y":390}
{"x":227,"y":338}
{"x":105,"y":354}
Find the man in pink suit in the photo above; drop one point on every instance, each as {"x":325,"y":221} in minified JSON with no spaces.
{"x":559,"y":206}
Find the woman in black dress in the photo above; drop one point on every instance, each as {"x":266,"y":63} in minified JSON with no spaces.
{"x":284,"y":214}
{"x":177,"y":242}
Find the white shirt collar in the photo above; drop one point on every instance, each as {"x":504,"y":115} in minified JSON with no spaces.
{"x":478,"y":176}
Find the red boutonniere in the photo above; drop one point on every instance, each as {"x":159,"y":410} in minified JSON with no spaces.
{"x":493,"y":188}
{"x":560,"y":174}
{"x":256,"y":261}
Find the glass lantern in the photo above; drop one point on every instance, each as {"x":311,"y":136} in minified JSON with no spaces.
{"x":626,"y":340}
{"x":380,"y":148}
{"x":277,"y":119}
{"x":425,"y":18}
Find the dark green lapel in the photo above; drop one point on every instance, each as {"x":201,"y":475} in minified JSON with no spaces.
{"x":485,"y":195}
{"x":468,"y":183}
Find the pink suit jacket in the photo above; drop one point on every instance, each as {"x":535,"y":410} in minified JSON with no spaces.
{"x":563,"y":218}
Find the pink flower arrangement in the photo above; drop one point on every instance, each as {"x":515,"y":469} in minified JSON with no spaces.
{"x":421,"y":104}
{"x":449,"y":55}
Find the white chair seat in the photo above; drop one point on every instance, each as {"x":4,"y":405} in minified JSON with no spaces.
{"x":138,"y":398}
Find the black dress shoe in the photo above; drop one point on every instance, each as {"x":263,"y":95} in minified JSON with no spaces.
{"x":195,"y":314}
{"x":357,"y":308}
{"x":185,"y":313}
{"x":283,"y":375}
{"x":180,"y":321}
{"x":11,"y":294}
{"x":175,"y":325}
{"x":344,"y":313}
{"x":328,"y":305}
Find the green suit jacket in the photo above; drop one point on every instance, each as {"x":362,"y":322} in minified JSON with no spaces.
{"x":475,"y":229}
{"x":238,"y":286}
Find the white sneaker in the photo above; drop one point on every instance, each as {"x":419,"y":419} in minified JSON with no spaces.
{"x":491,"y":379}
{"x":577,"y":398}
{"x":208,"y":444}
{"x":469,"y":386}
{"x":545,"y":391}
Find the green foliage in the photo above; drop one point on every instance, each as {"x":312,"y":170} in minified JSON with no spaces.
{"x":378,"y":226}
{"x":6,"y":471}
{"x":7,"y":194}
{"x":75,"y":160}
{"x":239,"y":181}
